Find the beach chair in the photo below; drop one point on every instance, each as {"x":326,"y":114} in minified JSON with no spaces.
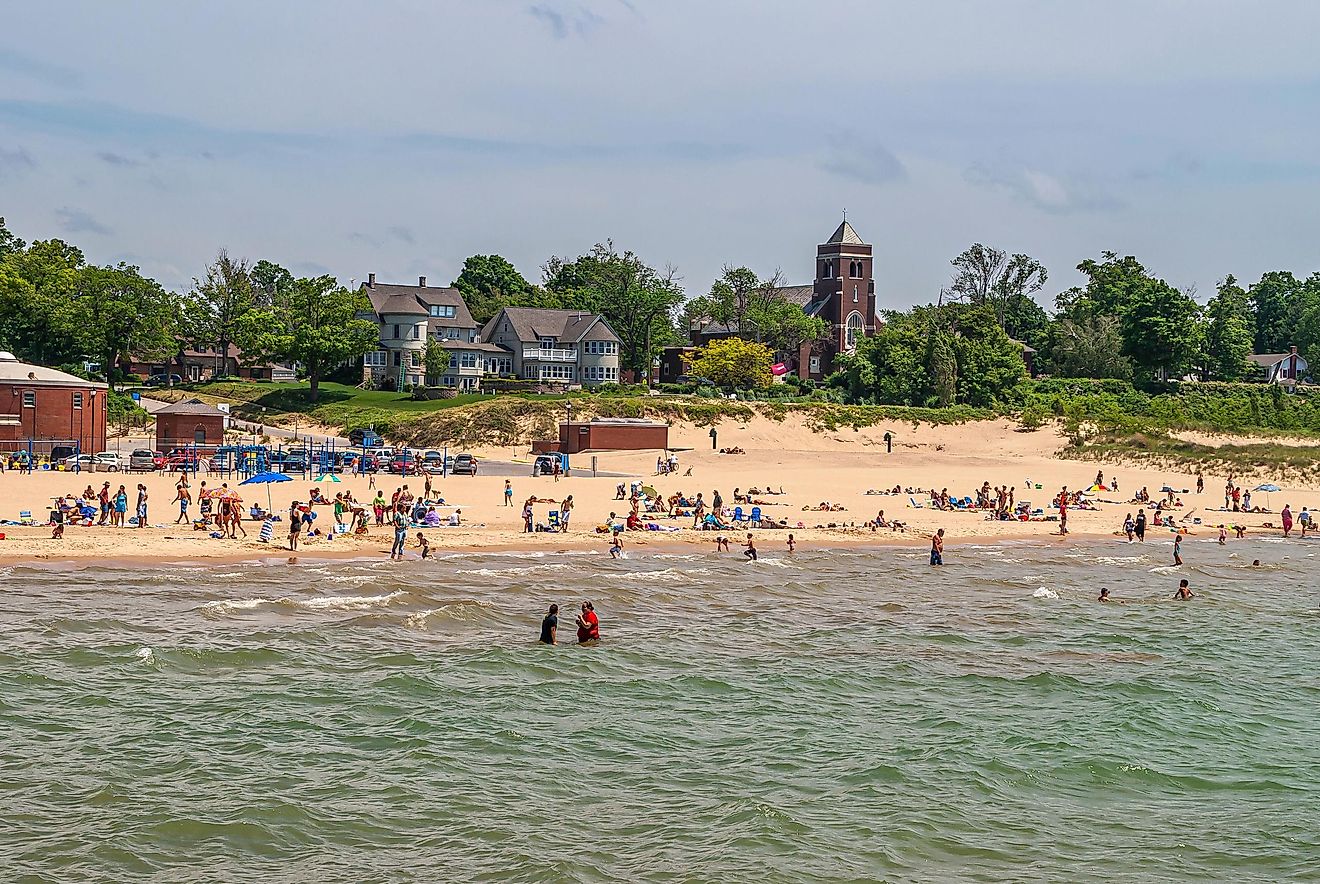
{"x":756,"y":516}
{"x":912,"y":502}
{"x":738,"y":514}
{"x":553,"y":521}
{"x":25,"y":517}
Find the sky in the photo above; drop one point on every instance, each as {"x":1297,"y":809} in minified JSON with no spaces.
{"x":400,"y":136}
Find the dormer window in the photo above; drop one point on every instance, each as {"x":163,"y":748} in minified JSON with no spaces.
{"x":442,"y":311}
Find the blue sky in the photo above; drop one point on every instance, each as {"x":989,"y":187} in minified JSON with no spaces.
{"x":400,"y":136}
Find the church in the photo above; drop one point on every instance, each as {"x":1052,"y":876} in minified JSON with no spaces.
{"x":843,"y":295}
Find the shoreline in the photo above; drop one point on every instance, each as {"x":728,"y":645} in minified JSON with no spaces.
{"x":271,"y":555}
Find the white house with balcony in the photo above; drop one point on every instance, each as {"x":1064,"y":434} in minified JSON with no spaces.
{"x":408,"y":317}
{"x":556,"y":346}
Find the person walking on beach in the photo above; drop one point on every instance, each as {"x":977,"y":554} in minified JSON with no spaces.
{"x":508,"y":493}
{"x":1129,"y":527}
{"x":937,"y":547}
{"x":1139,"y":526}
{"x":295,"y":525}
{"x":1184,"y":592}
{"x":1287,"y":517}
{"x":750,"y":551}
{"x":1200,"y":482}
{"x":378,"y":508}
{"x":1063,"y":510}
{"x":104,"y":499}
{"x":565,"y":511}
{"x":142,"y":507}
{"x":400,"y":522}
{"x":182,"y":497}
{"x":889,"y":442}
{"x":527,"y":515}
{"x":549,"y":626}
{"x":698,"y":511}
{"x":588,"y":624}
{"x":717,"y":505}
{"x":1177,"y":550}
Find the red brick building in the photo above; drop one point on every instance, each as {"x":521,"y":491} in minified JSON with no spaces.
{"x":620,"y":434}
{"x":46,"y":406}
{"x":188,"y":423}
{"x":844,"y":296}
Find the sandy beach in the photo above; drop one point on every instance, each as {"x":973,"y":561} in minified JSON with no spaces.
{"x":836,"y":467}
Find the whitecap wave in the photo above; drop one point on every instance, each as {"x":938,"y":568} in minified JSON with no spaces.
{"x":145,"y":656}
{"x":1044,"y":593}
{"x":345,"y":602}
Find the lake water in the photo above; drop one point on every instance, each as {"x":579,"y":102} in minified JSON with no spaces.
{"x":825,"y":716}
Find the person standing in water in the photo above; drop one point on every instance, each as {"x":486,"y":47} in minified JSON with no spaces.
{"x":1184,"y":592}
{"x":1139,"y":527}
{"x":1104,"y":595}
{"x":1177,"y":550}
{"x":792,"y":545}
{"x":750,"y":551}
{"x":937,"y":547}
{"x":399,"y":520}
{"x":588,"y":624}
{"x":550,"y":626}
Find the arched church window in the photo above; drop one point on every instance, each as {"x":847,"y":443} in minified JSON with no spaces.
{"x":852,"y":330}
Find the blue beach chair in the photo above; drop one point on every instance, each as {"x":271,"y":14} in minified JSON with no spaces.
{"x":756,"y":516}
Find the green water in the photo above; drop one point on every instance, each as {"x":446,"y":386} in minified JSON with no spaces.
{"x":840,"y":716}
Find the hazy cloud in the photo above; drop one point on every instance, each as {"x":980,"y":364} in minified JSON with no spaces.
{"x":116,"y":159}
{"x":77,"y":221}
{"x":15,"y":160}
{"x":1043,"y":190}
{"x":402,"y":234}
{"x":860,"y":159}
{"x":36,"y":68}
{"x":571,"y":20}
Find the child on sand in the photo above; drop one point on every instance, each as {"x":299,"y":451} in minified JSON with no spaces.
{"x":1223,"y":535}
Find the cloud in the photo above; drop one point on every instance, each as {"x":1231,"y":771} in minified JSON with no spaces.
{"x":861,"y":159}
{"x":402,"y":234}
{"x":1044,"y":190}
{"x":16,"y":161}
{"x":576,"y":20}
{"x":116,"y":159}
{"x":38,"y":69}
{"x":78,"y":221}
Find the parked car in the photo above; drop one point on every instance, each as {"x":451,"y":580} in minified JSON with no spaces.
{"x":61,"y":452}
{"x":405,"y":463}
{"x":544,"y":465}
{"x":112,"y":460}
{"x":158,"y":380}
{"x":142,"y":460}
{"x":293,"y":462}
{"x":364,"y":439}
{"x":465,"y":465}
{"x":86,"y":463}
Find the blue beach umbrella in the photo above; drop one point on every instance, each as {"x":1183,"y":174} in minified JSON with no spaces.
{"x":265,"y":479}
{"x":1268,"y":488}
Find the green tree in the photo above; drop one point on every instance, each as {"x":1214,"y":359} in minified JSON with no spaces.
{"x":36,"y":285}
{"x":1088,"y":347}
{"x":989,"y":362}
{"x":217,"y":303}
{"x":988,"y":277}
{"x":119,"y":311}
{"x":942,"y":363}
{"x":1026,"y":321}
{"x":890,"y":367}
{"x":734,"y":362}
{"x":1228,"y":333}
{"x":489,"y":282}
{"x":270,"y":283}
{"x":9,"y":243}
{"x":314,"y":323}
{"x":1278,"y":301}
{"x":637,"y":301}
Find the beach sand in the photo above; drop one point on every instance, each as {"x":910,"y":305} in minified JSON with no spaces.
{"x":835,"y":466}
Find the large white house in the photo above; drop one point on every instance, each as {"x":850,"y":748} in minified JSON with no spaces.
{"x":565,"y":347}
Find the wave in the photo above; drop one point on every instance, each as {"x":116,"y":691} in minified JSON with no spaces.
{"x":318,"y":603}
{"x":1044,"y":593}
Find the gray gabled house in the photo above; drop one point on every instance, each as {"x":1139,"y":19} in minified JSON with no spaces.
{"x":556,"y":346}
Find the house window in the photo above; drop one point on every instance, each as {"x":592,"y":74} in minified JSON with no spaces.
{"x":852,"y":330}
{"x":375,"y":359}
{"x":416,"y":358}
{"x":825,"y":270}
{"x":398,"y":359}
{"x":199,"y":434}
{"x":442,"y":311}
{"x":77,"y":400}
{"x":547,"y":343}
{"x":29,"y":399}
{"x":396,"y":331}
{"x":468,"y":360}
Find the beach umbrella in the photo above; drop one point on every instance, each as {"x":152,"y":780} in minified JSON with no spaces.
{"x":1268,"y":488}
{"x":649,"y":491}
{"x":328,"y":477}
{"x":266,"y":479}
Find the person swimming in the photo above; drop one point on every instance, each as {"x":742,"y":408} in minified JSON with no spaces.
{"x":1184,"y":592}
{"x":1104,"y":595}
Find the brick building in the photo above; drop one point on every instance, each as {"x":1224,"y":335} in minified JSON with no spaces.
{"x":188,"y":423}
{"x":612,"y":434}
{"x":46,"y":406}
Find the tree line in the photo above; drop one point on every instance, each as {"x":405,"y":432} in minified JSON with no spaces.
{"x":966,"y":347}
{"x":1123,"y":323}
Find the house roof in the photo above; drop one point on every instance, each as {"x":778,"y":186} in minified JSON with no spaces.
{"x":13,"y":371}
{"x":846,"y":234}
{"x":475,"y":345}
{"x":416,"y":300}
{"x":531,"y":324}
{"x":1270,"y":359}
{"x":191,"y":406}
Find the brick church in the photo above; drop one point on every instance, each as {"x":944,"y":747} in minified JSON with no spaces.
{"x":843,"y":295}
